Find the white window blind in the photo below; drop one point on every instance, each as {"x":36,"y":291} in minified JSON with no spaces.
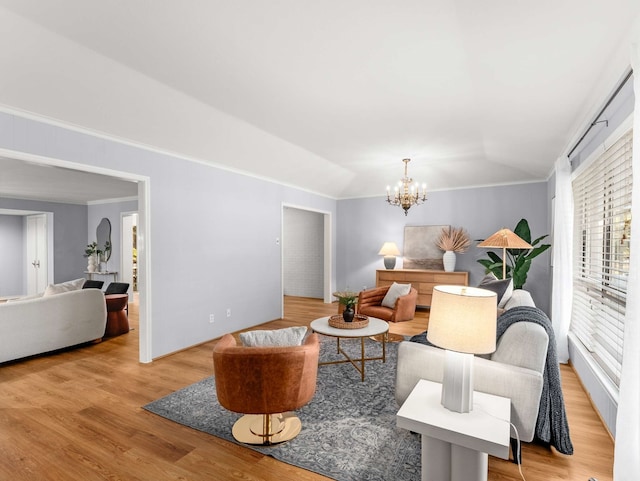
{"x":602,"y":226}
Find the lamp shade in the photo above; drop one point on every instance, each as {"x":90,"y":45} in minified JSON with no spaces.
{"x":389,"y":249}
{"x":507,"y":239}
{"x":463,"y":319}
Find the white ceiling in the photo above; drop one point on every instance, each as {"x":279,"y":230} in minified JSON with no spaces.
{"x":474,"y":92}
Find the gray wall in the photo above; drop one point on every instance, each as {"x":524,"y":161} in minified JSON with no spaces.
{"x":616,"y":112}
{"x":365,"y":224}
{"x":209,"y":254}
{"x":11,"y":255}
{"x":303,"y":253}
{"x":69,"y":235}
{"x":212,"y":232}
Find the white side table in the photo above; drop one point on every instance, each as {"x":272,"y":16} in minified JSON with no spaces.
{"x":455,"y":445}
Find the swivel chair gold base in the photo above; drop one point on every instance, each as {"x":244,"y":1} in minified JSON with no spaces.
{"x":266,"y":429}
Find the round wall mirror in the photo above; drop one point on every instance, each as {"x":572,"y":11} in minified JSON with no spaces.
{"x":103,"y":238}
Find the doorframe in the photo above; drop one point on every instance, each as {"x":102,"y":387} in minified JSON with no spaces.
{"x":328,"y":252}
{"x":144,"y":241}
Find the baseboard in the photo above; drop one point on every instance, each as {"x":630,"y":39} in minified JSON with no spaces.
{"x":602,"y":393}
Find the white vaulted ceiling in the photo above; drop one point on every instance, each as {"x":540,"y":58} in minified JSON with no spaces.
{"x":474,"y":92}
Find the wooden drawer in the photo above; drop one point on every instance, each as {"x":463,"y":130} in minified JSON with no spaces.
{"x":422,"y":280}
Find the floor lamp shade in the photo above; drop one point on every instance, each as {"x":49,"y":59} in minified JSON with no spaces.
{"x":389,"y":250}
{"x":462,"y":320}
{"x":505,"y":239}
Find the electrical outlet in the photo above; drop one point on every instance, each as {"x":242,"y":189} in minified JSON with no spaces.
{"x":211,"y":318}
{"x":229,"y":312}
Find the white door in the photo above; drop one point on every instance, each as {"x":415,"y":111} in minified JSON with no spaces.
{"x":37,"y":265}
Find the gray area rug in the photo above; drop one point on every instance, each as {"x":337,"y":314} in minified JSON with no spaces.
{"x":349,"y":429}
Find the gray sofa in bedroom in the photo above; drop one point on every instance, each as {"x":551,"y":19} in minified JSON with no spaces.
{"x":42,"y":323}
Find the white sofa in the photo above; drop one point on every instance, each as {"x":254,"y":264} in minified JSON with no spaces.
{"x":41,"y":324}
{"x":515,"y":370}
{"x":519,"y":297}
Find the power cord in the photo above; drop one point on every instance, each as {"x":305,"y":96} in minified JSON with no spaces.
{"x":518,"y":447}
{"x":519,"y":450}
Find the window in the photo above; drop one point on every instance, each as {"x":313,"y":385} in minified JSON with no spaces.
{"x":602,"y":226}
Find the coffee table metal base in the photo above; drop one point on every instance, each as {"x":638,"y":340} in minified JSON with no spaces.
{"x":359,"y":362}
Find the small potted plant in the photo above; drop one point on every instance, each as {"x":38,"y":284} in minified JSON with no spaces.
{"x":92,"y":253}
{"x":451,"y":241}
{"x":348,"y":299}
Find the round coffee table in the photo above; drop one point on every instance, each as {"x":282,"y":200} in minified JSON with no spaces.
{"x":375,"y":327}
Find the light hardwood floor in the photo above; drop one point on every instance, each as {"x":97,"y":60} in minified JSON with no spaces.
{"x":77,"y":415}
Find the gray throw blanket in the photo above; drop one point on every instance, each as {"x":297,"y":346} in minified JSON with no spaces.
{"x":551,"y":426}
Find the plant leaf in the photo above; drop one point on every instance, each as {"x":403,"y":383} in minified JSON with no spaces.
{"x":520,"y":275}
{"x":494,"y":257}
{"x":522,"y":230}
{"x":539,"y":239}
{"x":537,"y":251}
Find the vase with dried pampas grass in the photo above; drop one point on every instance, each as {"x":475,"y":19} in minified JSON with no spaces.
{"x":452,"y":240}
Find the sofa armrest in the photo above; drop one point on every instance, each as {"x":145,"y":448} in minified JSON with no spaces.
{"x":405,"y":308}
{"x":519,"y":297}
{"x":523,"y":344}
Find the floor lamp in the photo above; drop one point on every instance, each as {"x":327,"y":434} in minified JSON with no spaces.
{"x":462,"y":321}
{"x":505,"y":239}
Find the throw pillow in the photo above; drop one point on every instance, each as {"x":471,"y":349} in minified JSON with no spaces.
{"x":74,"y":285}
{"x":395,"y":290}
{"x":502,"y":287}
{"x":289,"y":336}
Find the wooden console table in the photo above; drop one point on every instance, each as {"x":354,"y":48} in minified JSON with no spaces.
{"x":422,"y":280}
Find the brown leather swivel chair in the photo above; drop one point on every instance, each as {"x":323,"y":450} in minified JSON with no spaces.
{"x":370,"y":304}
{"x":265,"y":383}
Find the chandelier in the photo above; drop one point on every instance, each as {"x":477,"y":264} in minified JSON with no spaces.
{"x":406,"y":194}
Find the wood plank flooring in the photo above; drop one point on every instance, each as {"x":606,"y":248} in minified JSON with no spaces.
{"x":77,"y":415}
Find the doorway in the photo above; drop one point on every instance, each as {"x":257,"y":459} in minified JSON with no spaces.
{"x":143,"y":241}
{"x":314,"y":231}
{"x":129,"y":243}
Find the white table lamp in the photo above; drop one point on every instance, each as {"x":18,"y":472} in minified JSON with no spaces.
{"x":389,"y":250}
{"x":462,"y":321}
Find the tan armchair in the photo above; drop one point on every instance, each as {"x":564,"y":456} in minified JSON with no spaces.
{"x":370,"y":304}
{"x":265,"y":383}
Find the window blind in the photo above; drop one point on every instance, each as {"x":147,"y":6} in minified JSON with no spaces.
{"x":602,"y":226}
